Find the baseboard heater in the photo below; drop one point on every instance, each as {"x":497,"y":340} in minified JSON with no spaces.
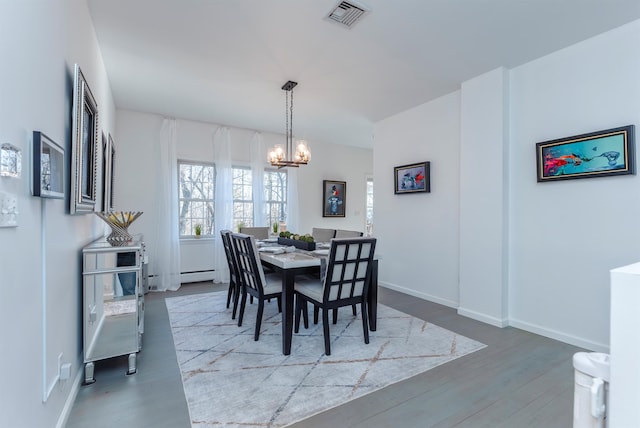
{"x":197,"y":275}
{"x":186,"y":277}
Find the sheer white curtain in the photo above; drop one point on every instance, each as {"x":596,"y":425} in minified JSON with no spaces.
{"x":223,"y":199}
{"x":258,"y":154}
{"x":292,"y":200}
{"x":167,"y":239}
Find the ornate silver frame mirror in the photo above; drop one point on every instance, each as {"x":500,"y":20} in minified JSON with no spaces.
{"x":109,"y":159}
{"x":84,"y":147}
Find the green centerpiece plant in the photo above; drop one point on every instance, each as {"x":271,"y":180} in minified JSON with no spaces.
{"x":304,"y":242}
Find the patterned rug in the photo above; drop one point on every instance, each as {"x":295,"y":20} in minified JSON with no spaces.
{"x":232,"y":381}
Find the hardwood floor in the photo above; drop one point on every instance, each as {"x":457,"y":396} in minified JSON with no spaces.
{"x":519,"y":380}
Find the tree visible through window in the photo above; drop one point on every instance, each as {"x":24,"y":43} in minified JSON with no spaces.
{"x":275,"y":196}
{"x":244,"y":204}
{"x":196,"y":183}
{"x":242,"y":189}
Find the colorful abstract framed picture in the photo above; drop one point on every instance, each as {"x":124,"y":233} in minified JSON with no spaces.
{"x":414,"y":178}
{"x":334,"y":198}
{"x":597,"y":154}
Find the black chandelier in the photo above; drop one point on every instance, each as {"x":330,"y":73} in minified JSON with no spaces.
{"x":286,"y":156}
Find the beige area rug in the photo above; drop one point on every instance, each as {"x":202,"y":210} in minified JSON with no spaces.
{"x":232,"y":381}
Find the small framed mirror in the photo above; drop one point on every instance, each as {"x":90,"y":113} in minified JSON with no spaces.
{"x":48,"y":167}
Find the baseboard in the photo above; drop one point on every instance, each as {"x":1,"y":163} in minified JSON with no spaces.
{"x":562,"y":337}
{"x":206,"y":275}
{"x":478,"y":316}
{"x":71,"y":398}
{"x":418,"y":294}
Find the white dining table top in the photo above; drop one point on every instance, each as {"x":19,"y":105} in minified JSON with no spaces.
{"x":291,"y":259}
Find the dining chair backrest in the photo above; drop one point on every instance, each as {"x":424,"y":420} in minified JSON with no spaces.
{"x":322,"y":235}
{"x":347,"y":233}
{"x":231,"y":258}
{"x":249,"y":266}
{"x":256,"y":232}
{"x":348,"y":268}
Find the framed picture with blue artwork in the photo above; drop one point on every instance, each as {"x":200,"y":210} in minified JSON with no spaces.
{"x":413,"y":178}
{"x":334,"y":198}
{"x":597,"y":154}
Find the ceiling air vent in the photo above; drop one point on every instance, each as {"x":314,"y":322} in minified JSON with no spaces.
{"x":347,"y":13}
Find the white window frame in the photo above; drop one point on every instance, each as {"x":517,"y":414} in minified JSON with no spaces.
{"x":270,"y":202}
{"x":207,"y":220}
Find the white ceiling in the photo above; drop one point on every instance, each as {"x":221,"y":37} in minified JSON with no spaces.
{"x":224,"y":61}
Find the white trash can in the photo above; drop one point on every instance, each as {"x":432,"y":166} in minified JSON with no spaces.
{"x":590,"y":398}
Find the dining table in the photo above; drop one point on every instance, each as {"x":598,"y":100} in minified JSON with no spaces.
{"x":290,"y":263}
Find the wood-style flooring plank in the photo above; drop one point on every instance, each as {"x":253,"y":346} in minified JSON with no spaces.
{"x":519,"y":380}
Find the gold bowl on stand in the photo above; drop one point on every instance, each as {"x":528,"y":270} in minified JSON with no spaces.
{"x":119,"y":221}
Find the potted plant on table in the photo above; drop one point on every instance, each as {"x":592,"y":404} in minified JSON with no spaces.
{"x":304,"y":242}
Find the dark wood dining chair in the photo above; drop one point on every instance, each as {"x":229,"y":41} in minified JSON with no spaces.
{"x":234,"y":277}
{"x":252,"y":278}
{"x":345,"y":283}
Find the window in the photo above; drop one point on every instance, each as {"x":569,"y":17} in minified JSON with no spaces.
{"x":369,"y":208}
{"x":242,"y":189}
{"x":275,"y":195}
{"x":196,"y":185}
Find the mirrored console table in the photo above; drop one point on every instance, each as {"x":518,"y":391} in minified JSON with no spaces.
{"x":113,"y":286}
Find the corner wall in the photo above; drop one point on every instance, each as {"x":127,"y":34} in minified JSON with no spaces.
{"x":419,"y":232}
{"x":40,"y":273}
{"x":484,"y":218}
{"x":562,"y":238}
{"x":566,"y":236}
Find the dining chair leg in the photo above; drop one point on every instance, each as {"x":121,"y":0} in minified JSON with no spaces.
{"x":316,"y":311}
{"x":230,"y":293}
{"x":242,"y":305}
{"x":365,"y":321}
{"x":353,"y":309}
{"x":325,"y":327}
{"x":258,"y":319}
{"x":335,"y":316}
{"x":305,"y":313}
{"x":236,"y":298}
{"x":298,"y":310}
{"x":279,"y":304}
{"x":301,"y":310}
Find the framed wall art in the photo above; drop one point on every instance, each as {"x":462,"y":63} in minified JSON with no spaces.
{"x":84,"y":145}
{"x":10,"y":161}
{"x":48,"y":167}
{"x":334,"y":197}
{"x":107,"y":173}
{"x":597,"y":154}
{"x":412,"y":178}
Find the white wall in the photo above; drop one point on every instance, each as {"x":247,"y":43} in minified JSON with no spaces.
{"x":419,"y":233}
{"x":484,"y":198}
{"x":40,"y":288}
{"x":563,"y":237}
{"x":567,"y":235}
{"x":135,"y":147}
